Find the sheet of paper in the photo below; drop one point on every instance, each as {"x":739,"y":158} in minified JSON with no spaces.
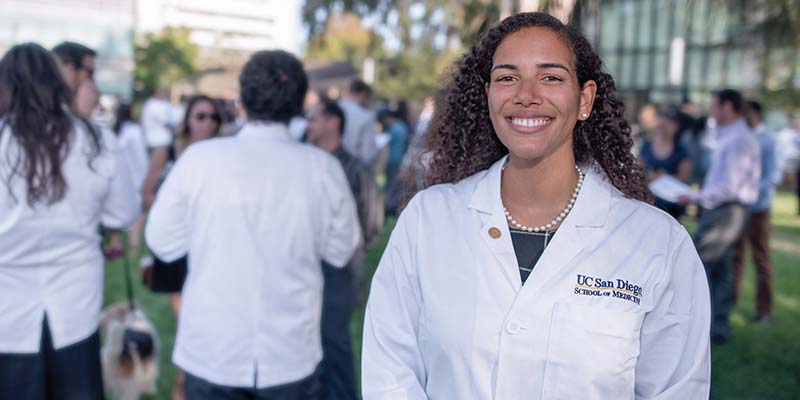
{"x":382,"y":139}
{"x":669,"y":188}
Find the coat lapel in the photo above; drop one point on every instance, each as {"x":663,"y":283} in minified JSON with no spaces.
{"x":487,"y":202}
{"x":587,"y":216}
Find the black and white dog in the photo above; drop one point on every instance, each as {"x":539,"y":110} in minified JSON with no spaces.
{"x":129,"y":354}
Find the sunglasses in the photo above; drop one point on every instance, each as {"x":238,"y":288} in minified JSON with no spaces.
{"x":202,"y":116}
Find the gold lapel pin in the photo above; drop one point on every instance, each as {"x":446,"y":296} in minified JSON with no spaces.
{"x":494,"y":233}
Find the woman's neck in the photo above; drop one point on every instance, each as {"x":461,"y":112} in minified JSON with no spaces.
{"x":535,"y":192}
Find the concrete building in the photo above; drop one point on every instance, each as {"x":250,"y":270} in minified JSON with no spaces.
{"x":227,"y":31}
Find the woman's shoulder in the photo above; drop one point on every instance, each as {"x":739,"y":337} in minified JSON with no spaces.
{"x":451,"y":192}
{"x":650,"y":219}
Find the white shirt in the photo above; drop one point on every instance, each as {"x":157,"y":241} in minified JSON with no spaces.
{"x":448,"y":317}
{"x":256,"y":213}
{"x":132,"y":143}
{"x":157,"y":115}
{"x":735,"y":168}
{"x":50,"y":256}
{"x":359,"y":131}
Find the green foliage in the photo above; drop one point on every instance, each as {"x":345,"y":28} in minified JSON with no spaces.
{"x":345,"y":39}
{"x":763,"y":361}
{"x":778,"y":24}
{"x":413,"y":75}
{"x":787,"y":99}
{"x":477,"y":16}
{"x":161,"y":59}
{"x":777,"y":20}
{"x":430,"y":34}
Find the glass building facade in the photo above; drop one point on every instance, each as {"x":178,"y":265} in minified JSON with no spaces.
{"x":664,"y":51}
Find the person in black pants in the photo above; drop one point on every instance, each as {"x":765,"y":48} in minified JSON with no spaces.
{"x":326,"y":123}
{"x":73,"y":372}
{"x":61,"y":181}
{"x":730,"y":187}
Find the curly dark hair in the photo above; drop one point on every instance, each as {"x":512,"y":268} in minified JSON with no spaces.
{"x":461,"y":139}
{"x":273,"y":86}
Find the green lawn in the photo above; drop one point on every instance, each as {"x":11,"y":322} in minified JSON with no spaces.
{"x":759,"y":362}
{"x":763,"y":361}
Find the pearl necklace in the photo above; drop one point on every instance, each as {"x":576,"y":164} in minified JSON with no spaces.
{"x":560,"y":217}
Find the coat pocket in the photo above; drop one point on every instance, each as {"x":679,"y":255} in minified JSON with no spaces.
{"x":592,"y":353}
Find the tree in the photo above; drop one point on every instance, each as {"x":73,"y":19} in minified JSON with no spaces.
{"x":161,"y":59}
{"x":344,"y":38}
{"x":774,"y":26}
{"x":778,"y":23}
{"x":426,"y":34}
{"x":430,"y":34}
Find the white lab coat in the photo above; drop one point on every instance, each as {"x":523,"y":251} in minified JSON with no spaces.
{"x":448,"y":318}
{"x":257,"y":213}
{"x":51,"y":262}
{"x":156,"y":121}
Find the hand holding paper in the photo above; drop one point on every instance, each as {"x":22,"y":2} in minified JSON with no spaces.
{"x":670,"y":189}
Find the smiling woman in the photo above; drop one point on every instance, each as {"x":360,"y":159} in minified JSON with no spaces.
{"x":532,"y":266}
{"x":466,"y":138}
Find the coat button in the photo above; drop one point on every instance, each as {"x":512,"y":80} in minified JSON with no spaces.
{"x":494,"y":233}
{"x":513,"y":327}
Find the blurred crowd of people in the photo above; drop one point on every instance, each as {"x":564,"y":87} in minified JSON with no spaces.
{"x":276,"y":325}
{"x":734,"y":159}
{"x":140,"y":171}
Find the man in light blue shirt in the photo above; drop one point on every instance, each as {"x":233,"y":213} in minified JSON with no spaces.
{"x":730,"y":187}
{"x":757,"y":228}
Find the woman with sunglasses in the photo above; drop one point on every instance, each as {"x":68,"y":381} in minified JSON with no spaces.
{"x":202,"y":120}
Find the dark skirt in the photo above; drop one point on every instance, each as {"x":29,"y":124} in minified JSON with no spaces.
{"x":168,"y":277}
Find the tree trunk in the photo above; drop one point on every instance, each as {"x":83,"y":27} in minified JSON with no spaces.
{"x":794,"y":52}
{"x":404,"y":22}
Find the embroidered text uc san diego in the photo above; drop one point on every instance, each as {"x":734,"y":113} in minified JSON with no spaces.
{"x":618,"y":288}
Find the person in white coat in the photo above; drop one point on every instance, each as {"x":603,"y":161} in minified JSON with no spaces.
{"x":131,"y":142}
{"x":257,"y":214}
{"x":60,"y":179}
{"x":534,"y":267}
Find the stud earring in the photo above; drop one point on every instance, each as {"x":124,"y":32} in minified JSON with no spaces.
{"x":585,"y":115}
